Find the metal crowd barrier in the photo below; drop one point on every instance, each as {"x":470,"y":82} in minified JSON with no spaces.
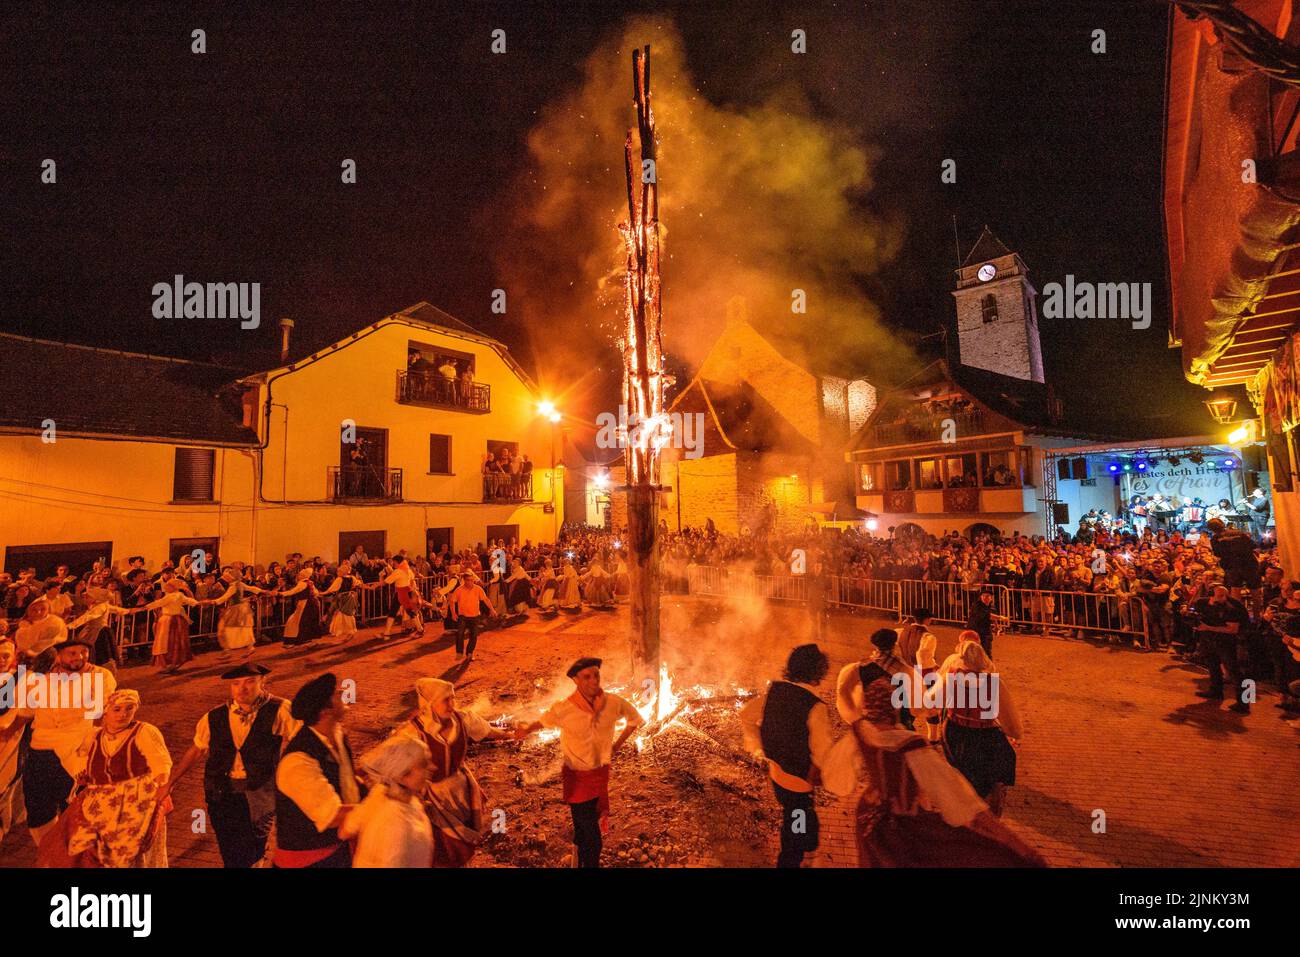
{"x":948,"y":602}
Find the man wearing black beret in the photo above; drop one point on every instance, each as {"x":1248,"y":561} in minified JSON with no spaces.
{"x":315,"y":784}
{"x":242,"y":741}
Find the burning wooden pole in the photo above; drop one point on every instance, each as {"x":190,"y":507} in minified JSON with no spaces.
{"x":643,"y":376}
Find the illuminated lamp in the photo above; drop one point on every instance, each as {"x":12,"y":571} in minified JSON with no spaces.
{"x":1222,"y":408}
{"x":1113,"y":467}
{"x":1229,"y":464}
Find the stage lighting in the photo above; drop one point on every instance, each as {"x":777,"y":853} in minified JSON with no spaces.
{"x":1229,"y":464}
{"x":1197,"y":458}
{"x":1141,"y":466}
{"x":1112,"y":468}
{"x":1128,"y":466}
{"x":1174,"y":460}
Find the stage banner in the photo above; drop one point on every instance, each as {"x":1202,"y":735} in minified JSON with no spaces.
{"x":1204,"y":481}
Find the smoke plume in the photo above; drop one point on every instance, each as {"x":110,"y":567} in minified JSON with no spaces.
{"x":757,"y":200}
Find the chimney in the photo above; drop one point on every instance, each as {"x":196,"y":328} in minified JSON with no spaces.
{"x":285,"y":326}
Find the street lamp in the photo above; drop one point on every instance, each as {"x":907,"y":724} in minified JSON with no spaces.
{"x":547,"y":410}
{"x":1222,"y":408}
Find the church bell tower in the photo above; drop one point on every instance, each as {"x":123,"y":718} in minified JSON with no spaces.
{"x":997,"y":321}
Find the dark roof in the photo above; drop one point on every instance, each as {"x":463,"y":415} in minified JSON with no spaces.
{"x":748,"y":421}
{"x":986,"y":247}
{"x":106,"y":392}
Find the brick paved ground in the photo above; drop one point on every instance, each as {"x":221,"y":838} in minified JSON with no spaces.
{"x":1181,"y":781}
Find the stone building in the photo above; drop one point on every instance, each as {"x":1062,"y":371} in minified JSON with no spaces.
{"x":774,"y":426}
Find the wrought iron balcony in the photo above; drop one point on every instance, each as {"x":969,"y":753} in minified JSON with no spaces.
{"x":508,"y":487}
{"x":436,"y":391}
{"x":354,"y":483}
{"x":929,"y":429}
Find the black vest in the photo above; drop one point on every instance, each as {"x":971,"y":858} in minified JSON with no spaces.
{"x":294,"y":829}
{"x":260,"y":751}
{"x":870,"y":672}
{"x":784,"y":729}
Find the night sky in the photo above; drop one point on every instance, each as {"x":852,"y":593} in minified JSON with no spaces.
{"x":226,"y":167}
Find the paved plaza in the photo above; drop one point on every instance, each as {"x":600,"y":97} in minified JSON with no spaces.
{"x":1181,"y":781}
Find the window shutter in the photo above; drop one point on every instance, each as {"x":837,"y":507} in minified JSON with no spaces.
{"x":440,"y":453}
{"x":193,"y":476}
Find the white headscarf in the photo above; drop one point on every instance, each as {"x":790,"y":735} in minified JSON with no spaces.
{"x":393,"y":757}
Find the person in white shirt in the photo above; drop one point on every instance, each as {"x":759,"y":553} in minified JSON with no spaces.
{"x":56,"y":756}
{"x":38,"y":632}
{"x":390,"y":825}
{"x":241,"y":742}
{"x":316,"y":786}
{"x":402,"y":578}
{"x":789,"y":726}
{"x":589,"y":738}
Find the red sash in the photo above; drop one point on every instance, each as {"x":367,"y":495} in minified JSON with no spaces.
{"x":582,"y":786}
{"x":287,"y":858}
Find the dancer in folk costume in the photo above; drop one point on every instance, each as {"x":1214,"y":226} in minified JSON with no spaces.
{"x":568,"y":594}
{"x":452,"y":797}
{"x":390,"y":826}
{"x":316,"y":786}
{"x":547,"y":587}
{"x":598,"y":585}
{"x":622,"y":581}
{"x":980,"y":742}
{"x":235,"y":630}
{"x":916,"y":647}
{"x":171,"y":642}
{"x":519,"y":589}
{"x":241,"y":741}
{"x":120,"y":817}
{"x":402,"y":578}
{"x":304,"y":625}
{"x":588,"y":743}
{"x":54,"y":755}
{"x":346,"y":589}
{"x":789,"y":727}
{"x":916,"y":809}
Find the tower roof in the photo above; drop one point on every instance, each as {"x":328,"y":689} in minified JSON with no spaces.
{"x":986,"y":247}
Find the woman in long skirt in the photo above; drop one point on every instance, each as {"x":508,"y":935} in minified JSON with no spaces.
{"x":977,"y":743}
{"x":452,"y":798}
{"x":917,"y":810}
{"x":346,"y":591}
{"x":171,"y":642}
{"x":568,"y":595}
{"x":235,"y":630}
{"x":304,"y":624}
{"x":117,"y":820}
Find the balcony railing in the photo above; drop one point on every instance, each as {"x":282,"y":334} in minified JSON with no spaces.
{"x":930,"y":429}
{"x":437,"y":391}
{"x":364,"y":482}
{"x":508,"y":487}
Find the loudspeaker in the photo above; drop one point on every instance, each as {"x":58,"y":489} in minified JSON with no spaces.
{"x":1060,"y":513}
{"x":1252,"y":458}
{"x":1062,"y":469}
{"x":1079,"y":468}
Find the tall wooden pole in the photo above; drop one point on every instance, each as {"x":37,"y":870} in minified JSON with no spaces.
{"x":643,"y":377}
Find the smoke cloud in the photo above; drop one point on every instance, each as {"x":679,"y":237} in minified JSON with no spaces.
{"x":757,"y":200}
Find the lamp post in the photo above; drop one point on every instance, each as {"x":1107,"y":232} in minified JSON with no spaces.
{"x":547,"y":408}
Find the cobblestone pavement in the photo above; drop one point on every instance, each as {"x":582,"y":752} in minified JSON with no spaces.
{"x":1181,"y":781}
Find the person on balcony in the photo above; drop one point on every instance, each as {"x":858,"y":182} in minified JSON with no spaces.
{"x":447,"y":373}
{"x":466,"y":385}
